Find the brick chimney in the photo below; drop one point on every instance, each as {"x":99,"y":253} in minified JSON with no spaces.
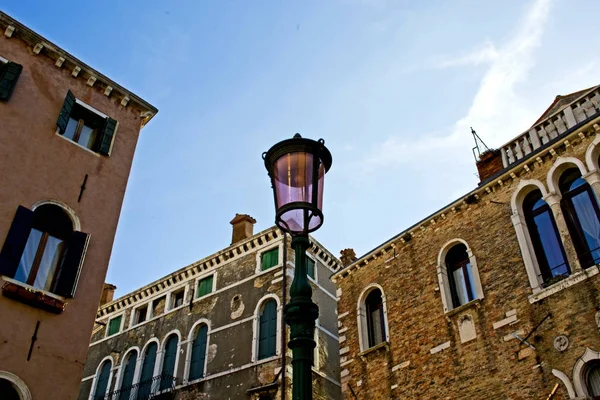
{"x":348,"y":256}
{"x":108,"y":292}
{"x":488,"y":164}
{"x":243,"y":227}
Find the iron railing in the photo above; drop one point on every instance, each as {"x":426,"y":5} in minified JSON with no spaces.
{"x":157,"y":387}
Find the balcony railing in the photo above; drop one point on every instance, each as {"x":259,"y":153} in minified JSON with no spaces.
{"x":583,"y":109}
{"x":159,"y":387}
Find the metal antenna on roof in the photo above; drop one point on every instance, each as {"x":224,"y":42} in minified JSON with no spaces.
{"x":477,"y":142}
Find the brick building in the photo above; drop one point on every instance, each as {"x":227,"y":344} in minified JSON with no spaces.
{"x":495,"y":296}
{"x":214,"y":329}
{"x":67,"y":140}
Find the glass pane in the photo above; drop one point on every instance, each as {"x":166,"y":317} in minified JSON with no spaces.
{"x":87,"y":137}
{"x":550,"y":244}
{"x":588,"y":220}
{"x":33,"y":241}
{"x":471,"y":281}
{"x":461,"y":286}
{"x":70,"y":129}
{"x":50,"y":259}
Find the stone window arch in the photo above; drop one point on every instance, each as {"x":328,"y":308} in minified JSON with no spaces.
{"x":102,"y":379}
{"x":169,"y":359}
{"x":127,"y":375}
{"x":373,"y":327}
{"x":592,"y":155}
{"x":197,"y":350}
{"x":263,"y":330}
{"x":458,"y":275}
{"x":11,"y":382}
{"x":148,"y":368}
{"x":586,"y":375}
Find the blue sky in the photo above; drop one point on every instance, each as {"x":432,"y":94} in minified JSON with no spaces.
{"x":392,"y":87}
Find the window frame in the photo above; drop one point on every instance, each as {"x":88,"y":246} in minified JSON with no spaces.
{"x":266,"y":249}
{"x":97,"y":376}
{"x":174,"y":332}
{"x":123,"y":366}
{"x":171,"y":299}
{"x":197,"y":282}
{"x":256,"y":326}
{"x":314,"y":260}
{"x":121,"y":315}
{"x":361,"y":311}
{"x":134,"y":312}
{"x":190,"y":344}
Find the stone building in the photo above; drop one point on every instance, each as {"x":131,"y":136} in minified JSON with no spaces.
{"x":495,"y":296}
{"x":67,"y":140}
{"x":214,"y":329}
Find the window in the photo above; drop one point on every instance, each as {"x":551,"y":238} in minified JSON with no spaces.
{"x":158,"y":305}
{"x":8,"y":390}
{"x":592,"y":379}
{"x":42,"y":250}
{"x":267,"y":330}
{"x":205,"y":286}
{"x":198,"y":353}
{"x":102,"y":380}
{"x":140,"y":314}
{"x":9,"y":75}
{"x":168,"y":365}
{"x":127,"y":379}
{"x":375,"y":318}
{"x":460,"y":276}
{"x":310,"y":267}
{"x":86,"y":126}
{"x":177,"y":298}
{"x":548,"y":248}
{"x":269,"y":259}
{"x":581,"y":214}
{"x":146,"y":381}
{"x":114,"y":325}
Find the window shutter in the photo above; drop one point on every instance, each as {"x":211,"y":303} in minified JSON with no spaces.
{"x":198,"y":353}
{"x":71,"y":266}
{"x":9,"y":75}
{"x":106,"y":139}
{"x":310,"y":267}
{"x":15,"y":241}
{"x":65,"y":112}
{"x":267,"y":335}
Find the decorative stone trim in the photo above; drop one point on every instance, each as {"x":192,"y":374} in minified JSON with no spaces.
{"x":400,"y":366}
{"x":381,"y":346}
{"x":569,"y":281}
{"x":506,"y":321}
{"x":440,"y":347}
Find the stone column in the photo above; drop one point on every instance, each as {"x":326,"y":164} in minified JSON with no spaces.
{"x":553,"y":200}
{"x":593,"y":178}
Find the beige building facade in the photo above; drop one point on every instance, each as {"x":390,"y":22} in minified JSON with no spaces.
{"x":67,"y":140}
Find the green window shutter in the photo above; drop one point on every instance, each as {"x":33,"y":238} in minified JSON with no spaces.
{"x":15,"y":241}
{"x":269,"y":259}
{"x":9,"y":75}
{"x":105,"y":141}
{"x":310,"y":267}
{"x":145,"y":387}
{"x":102,"y":382}
{"x":68,"y":275}
{"x":168,"y":367}
{"x":205,"y":286}
{"x":267,"y":331}
{"x":198,"y":353}
{"x":65,"y":112}
{"x":127,"y":380}
{"x":114,"y":326}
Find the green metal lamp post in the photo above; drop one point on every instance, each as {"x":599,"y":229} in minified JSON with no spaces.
{"x":297,"y":170}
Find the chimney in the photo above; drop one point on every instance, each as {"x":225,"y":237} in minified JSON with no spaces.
{"x":243,"y":227}
{"x":108,"y":291}
{"x":489,"y":163}
{"x":348,"y":256}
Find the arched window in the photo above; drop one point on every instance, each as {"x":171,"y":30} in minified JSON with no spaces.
{"x":582,"y":216}
{"x":167,"y":378}
{"x":146,"y":382}
{"x":43,"y":250}
{"x":592,"y":379}
{"x":267,"y":330}
{"x":198,"y":353}
{"x":544,"y":236}
{"x":128,"y":372}
{"x":102,"y":380}
{"x":460,"y":276}
{"x":375,"y":318}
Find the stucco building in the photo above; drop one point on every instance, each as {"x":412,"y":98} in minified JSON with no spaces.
{"x":495,"y":296}
{"x":214,"y":329}
{"x":67,"y":140}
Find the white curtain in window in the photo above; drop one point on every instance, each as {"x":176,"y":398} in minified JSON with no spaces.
{"x":593,"y":381}
{"x":588,"y":219}
{"x":33,"y":241}
{"x":48,"y":263}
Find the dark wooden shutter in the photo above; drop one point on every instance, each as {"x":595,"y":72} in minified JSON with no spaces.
{"x":267,"y":335}
{"x":71,"y":266}
{"x":106,"y":138}
{"x":65,"y":112}
{"x":168,"y":367}
{"x":9,"y":74}
{"x":127,"y":380}
{"x":15,"y":242}
{"x":102,"y":380}
{"x":310,"y":267}
{"x":198,"y":353}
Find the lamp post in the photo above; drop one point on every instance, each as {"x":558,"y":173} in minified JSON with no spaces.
{"x":297,"y":170}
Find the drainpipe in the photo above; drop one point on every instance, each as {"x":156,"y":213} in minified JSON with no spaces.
{"x":283,"y":324}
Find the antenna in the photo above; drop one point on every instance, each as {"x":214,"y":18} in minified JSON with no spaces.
{"x":477,"y":142}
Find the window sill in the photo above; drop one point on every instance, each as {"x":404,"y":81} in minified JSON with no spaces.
{"x":29,"y":295}
{"x":76,"y":144}
{"x":569,"y":281}
{"x":457,"y":310}
{"x":381,"y":346}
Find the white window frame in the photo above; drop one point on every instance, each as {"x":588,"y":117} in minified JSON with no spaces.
{"x":256,"y":325}
{"x":110,"y":376}
{"x":266,"y":249}
{"x":188,"y":356}
{"x":444,"y":280}
{"x":122,"y":315}
{"x":121,"y":372}
{"x":134,"y":311}
{"x":579,"y":372}
{"x":138,"y":375}
{"x":161,"y":353}
{"x":316,"y":278}
{"x":361,"y":315}
{"x":214,"y":285}
{"x":3,"y":60}
{"x":169,"y":301}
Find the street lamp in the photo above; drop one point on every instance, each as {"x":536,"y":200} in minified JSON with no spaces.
{"x":297,"y":170}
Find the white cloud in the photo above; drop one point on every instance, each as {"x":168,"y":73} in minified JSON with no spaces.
{"x":481,"y":55}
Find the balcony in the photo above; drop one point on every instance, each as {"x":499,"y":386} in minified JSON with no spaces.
{"x":160,"y":387}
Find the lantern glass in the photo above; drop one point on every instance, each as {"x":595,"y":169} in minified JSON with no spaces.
{"x":299,"y":208}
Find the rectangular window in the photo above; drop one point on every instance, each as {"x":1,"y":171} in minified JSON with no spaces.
{"x":114,"y":325}
{"x":86,"y":126}
{"x":141,"y":314}
{"x":177,"y":299}
{"x":310,"y":267}
{"x":9,"y":74}
{"x":158,"y":305}
{"x":205,"y":286}
{"x":269,"y":259}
